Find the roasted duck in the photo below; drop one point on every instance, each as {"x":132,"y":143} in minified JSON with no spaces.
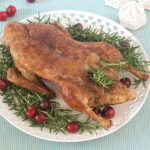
{"x":49,"y":52}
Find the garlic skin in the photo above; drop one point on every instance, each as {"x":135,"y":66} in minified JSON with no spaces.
{"x":146,"y":3}
{"x":115,"y":3}
{"x":132,"y":15}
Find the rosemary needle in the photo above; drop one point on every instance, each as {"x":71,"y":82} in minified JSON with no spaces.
{"x":118,"y":65}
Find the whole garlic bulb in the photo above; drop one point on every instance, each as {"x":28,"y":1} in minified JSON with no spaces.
{"x":115,"y":3}
{"x":146,"y":3}
{"x":132,"y":15}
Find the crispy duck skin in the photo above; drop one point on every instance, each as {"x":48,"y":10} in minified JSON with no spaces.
{"x":80,"y":54}
{"x":62,"y":28}
{"x":50,"y":33}
{"x":26,"y":79}
{"x":49,"y":53}
{"x":15,"y":77}
{"x":74,"y":93}
{"x":27,"y":74}
{"x":64,"y":72}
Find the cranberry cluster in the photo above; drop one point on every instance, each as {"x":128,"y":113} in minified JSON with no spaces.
{"x":9,"y":12}
{"x":31,"y":112}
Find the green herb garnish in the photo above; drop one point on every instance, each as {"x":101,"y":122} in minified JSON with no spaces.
{"x":137,"y":82}
{"x":99,"y":77}
{"x":118,"y":65}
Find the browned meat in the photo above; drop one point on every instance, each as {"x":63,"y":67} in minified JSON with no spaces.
{"x":14,"y":76}
{"x":57,"y":70}
{"x":50,"y":34}
{"x":62,"y":28}
{"x":69,"y":75}
{"x":47,"y":51}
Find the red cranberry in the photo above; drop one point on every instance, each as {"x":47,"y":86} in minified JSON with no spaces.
{"x":72,"y":127}
{"x":45,"y":105}
{"x":108,"y":112}
{"x":3,"y":16}
{"x":31,"y":111}
{"x":3,"y":84}
{"x":126,"y":82}
{"x":31,"y":1}
{"x":40,"y":118}
{"x":11,"y":10}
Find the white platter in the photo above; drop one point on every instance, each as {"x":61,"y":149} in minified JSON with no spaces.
{"x":124,"y":112}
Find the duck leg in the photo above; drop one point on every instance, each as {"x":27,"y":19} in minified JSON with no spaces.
{"x":15,"y":77}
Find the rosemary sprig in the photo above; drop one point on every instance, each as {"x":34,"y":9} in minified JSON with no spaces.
{"x":118,"y":65}
{"x":85,"y":125}
{"x":42,"y":19}
{"x":6,"y":62}
{"x":99,"y":77}
{"x":137,"y":82}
